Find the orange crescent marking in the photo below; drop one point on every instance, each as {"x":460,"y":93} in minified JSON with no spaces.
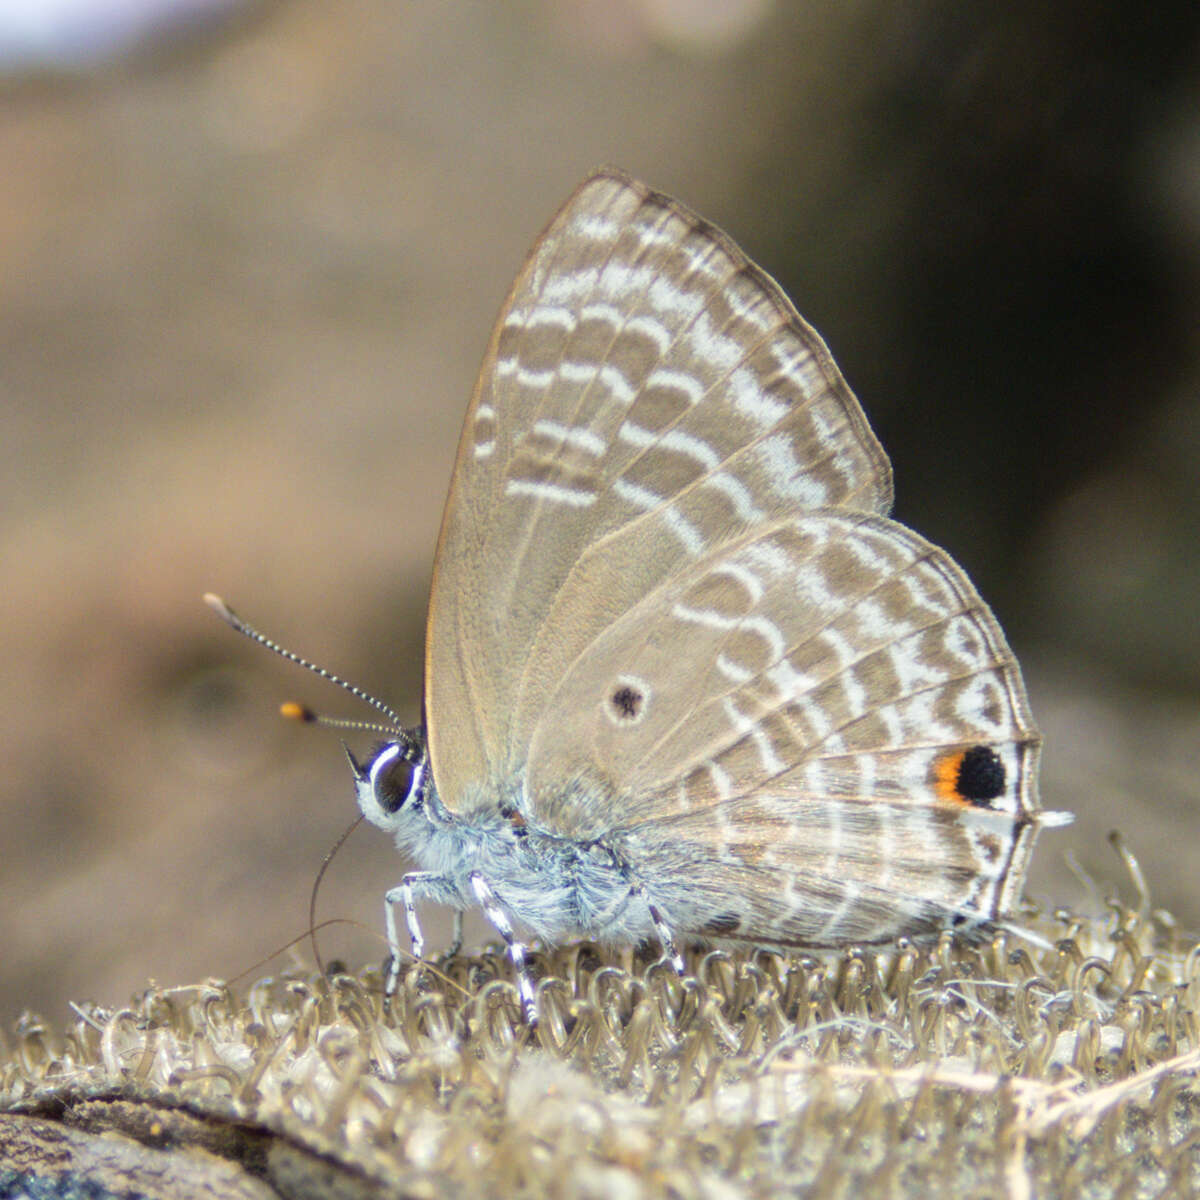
{"x":945,"y":776}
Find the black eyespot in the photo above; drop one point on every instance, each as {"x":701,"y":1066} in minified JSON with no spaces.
{"x":397,"y":781}
{"x":722,"y":924}
{"x":626,"y":702}
{"x":980,"y":775}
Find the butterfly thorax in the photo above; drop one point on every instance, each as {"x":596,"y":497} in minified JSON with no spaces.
{"x":555,"y":886}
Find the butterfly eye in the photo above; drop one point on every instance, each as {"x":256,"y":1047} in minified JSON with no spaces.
{"x":395,"y":780}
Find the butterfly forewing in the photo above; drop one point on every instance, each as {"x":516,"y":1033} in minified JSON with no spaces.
{"x":648,"y":398}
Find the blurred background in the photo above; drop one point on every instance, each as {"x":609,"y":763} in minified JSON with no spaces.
{"x":250,"y":254}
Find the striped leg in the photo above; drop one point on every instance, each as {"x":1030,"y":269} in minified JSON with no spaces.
{"x":665,"y":938}
{"x":516,"y":952}
{"x":413,"y":884}
{"x":456,"y":935}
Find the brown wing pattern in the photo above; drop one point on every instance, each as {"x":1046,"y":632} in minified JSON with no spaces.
{"x":790,"y":712}
{"x":648,"y":398}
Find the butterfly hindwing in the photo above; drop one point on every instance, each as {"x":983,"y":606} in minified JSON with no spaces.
{"x":800,"y":702}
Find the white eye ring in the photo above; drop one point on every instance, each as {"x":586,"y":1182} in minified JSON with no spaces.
{"x":382,"y":762}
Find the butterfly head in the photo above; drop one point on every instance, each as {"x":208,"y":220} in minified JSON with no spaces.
{"x":394,"y":785}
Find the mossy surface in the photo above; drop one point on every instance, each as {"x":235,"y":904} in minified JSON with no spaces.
{"x":1062,"y":1063}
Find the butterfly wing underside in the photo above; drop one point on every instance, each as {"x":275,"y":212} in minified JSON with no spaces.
{"x":818,"y":730}
{"x":648,"y":398}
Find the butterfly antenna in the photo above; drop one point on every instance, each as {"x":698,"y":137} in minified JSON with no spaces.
{"x":294,"y":711}
{"x":234,"y":621}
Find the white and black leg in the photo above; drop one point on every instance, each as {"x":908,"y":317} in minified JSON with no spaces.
{"x":516,"y":952}
{"x":456,"y":935}
{"x":661,"y":929}
{"x":413,"y":884}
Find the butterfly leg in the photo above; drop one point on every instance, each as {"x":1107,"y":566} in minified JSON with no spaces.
{"x":456,"y":935}
{"x":661,"y":929}
{"x":516,"y":952}
{"x":405,"y":895}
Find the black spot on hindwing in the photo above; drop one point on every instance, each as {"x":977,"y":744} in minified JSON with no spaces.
{"x":722,"y":925}
{"x":981,"y":775}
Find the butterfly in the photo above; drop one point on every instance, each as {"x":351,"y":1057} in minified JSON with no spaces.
{"x":684,"y":677}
